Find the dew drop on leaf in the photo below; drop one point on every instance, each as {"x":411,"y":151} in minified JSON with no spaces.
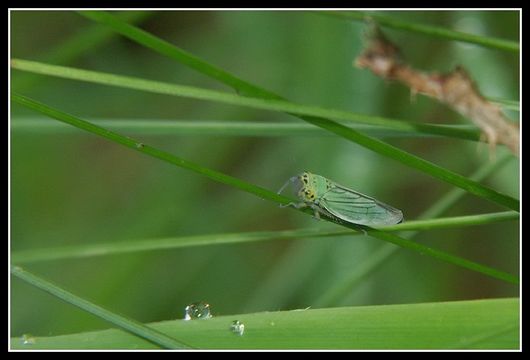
{"x":198,"y":310}
{"x":237,"y":327}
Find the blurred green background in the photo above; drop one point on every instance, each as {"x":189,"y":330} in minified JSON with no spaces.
{"x":74,"y":188}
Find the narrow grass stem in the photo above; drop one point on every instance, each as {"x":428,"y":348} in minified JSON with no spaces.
{"x":120,"y":321}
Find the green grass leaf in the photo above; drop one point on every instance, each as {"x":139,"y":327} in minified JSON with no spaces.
{"x":429,"y":30}
{"x":90,"y":250}
{"x":477,"y":324}
{"x":218,"y":128}
{"x":45,"y":217}
{"x":251,"y":188}
{"x":441,"y":255}
{"x":134,"y":327}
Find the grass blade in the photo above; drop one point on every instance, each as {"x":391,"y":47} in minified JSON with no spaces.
{"x":456,"y":221}
{"x":440,"y":325}
{"x":245,"y":186}
{"x":245,"y":88}
{"x":90,"y":250}
{"x":226,"y":98}
{"x":418,"y":163}
{"x":130,"y":325}
{"x":429,"y":30}
{"x":448,"y":200}
{"x":174,"y":53}
{"x":441,"y":255}
{"x":149,"y":150}
{"x":216,"y":127}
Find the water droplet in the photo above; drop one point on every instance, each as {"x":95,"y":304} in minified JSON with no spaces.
{"x":27,"y":339}
{"x":198,"y":310}
{"x":237,"y":327}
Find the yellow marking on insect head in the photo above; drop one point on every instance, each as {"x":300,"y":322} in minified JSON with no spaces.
{"x":307,"y":194}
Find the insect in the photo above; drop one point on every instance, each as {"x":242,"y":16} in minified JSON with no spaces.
{"x":336,"y":201}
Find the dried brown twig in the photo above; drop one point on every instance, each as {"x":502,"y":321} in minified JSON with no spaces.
{"x":455,"y":89}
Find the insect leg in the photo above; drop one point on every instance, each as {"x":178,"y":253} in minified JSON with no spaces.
{"x":360,"y":228}
{"x":316,"y":210}
{"x":319,"y":210}
{"x":295,"y":205}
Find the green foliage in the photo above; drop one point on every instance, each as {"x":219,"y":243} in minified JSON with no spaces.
{"x":478,"y":324}
{"x":250,"y":188}
{"x":75,"y":197}
{"x":250,"y":90}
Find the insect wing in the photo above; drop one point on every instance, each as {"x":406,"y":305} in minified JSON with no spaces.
{"x":357,"y":208}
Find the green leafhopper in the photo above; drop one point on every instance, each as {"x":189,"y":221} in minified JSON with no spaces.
{"x":336,"y":201}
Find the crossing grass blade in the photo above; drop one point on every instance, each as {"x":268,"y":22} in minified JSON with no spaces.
{"x":132,"y":326}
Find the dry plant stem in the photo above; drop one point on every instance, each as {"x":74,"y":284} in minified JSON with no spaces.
{"x":455,"y":89}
